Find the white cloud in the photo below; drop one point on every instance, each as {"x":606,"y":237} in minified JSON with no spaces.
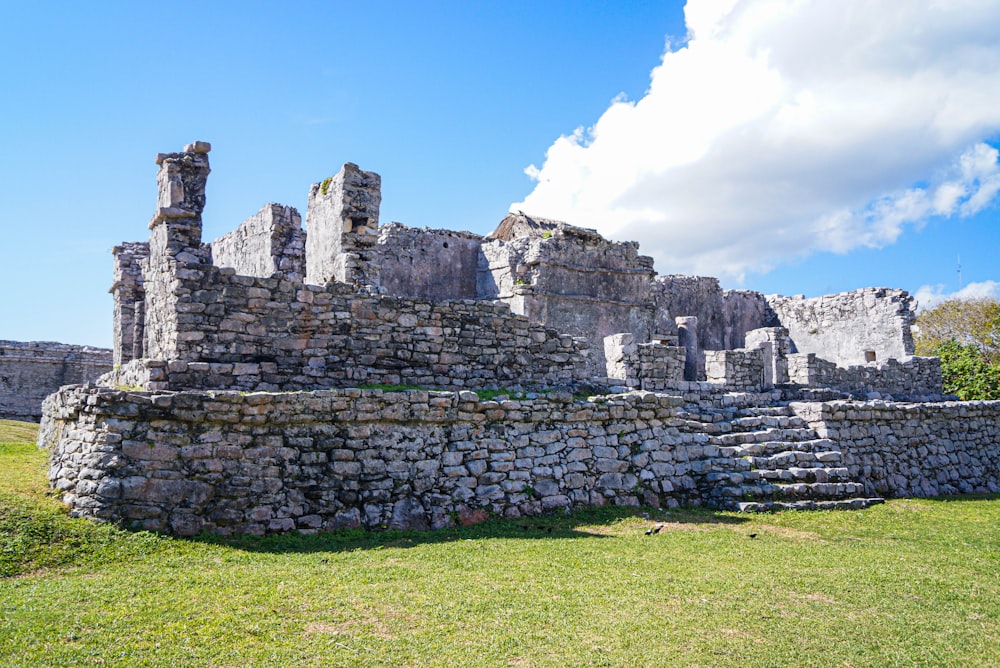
{"x":783,"y":127}
{"x":929,"y":296}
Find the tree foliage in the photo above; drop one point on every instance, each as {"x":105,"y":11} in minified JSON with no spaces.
{"x":965,"y":334}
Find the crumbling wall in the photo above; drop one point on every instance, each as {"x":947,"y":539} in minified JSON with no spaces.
{"x":572,"y":279}
{"x":429,"y":264}
{"x":724,"y":317}
{"x":268,"y":243}
{"x":30,"y":371}
{"x":249,"y":333}
{"x":740,"y":370}
{"x":918,"y":378}
{"x":850,"y":328}
{"x":923,"y":449}
{"x":342,"y":225}
{"x":655,"y":367}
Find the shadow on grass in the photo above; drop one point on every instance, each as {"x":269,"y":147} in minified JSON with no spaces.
{"x":960,"y":498}
{"x":572,"y":526}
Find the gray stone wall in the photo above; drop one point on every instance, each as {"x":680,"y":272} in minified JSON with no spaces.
{"x":248,"y":333}
{"x":918,"y":378}
{"x":342,"y":224}
{"x":228,"y":462}
{"x":30,"y":371}
{"x":654,"y":367}
{"x":429,"y":264}
{"x":842,"y":328}
{"x":739,"y":370}
{"x":268,"y":243}
{"x":572,"y":279}
{"x":921,"y":449}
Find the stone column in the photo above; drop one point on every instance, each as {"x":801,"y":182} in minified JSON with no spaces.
{"x":342,"y":229}
{"x":177,"y":258}
{"x":687,"y":337}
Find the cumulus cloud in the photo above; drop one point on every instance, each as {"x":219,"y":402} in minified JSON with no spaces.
{"x":783,"y":127}
{"x":929,"y":296}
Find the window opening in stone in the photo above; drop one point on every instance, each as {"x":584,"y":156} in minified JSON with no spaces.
{"x":869,"y":356}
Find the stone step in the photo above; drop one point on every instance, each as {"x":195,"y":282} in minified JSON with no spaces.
{"x":801,"y":458}
{"x":764,"y":435}
{"x":769,"y":410}
{"x":765,"y":448}
{"x":818,"y":491}
{"x":857,"y":503}
{"x":805,"y":474}
{"x":754,"y":422}
{"x":796,"y":491}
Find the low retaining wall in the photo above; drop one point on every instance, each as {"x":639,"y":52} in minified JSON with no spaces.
{"x":925,"y":449}
{"x":228,"y":462}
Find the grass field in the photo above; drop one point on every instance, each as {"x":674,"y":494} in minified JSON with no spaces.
{"x":908,"y":583}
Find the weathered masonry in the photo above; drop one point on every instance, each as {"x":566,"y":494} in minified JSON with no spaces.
{"x":30,"y":371}
{"x":238,"y":401}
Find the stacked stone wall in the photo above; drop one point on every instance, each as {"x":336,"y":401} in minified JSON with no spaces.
{"x":919,"y":449}
{"x":654,"y":367}
{"x":738,"y":370}
{"x":429,"y":264}
{"x":30,"y":371}
{"x":251,"y":333}
{"x":851,"y":327}
{"x":228,"y":462}
{"x":268,"y":243}
{"x":916,"y":378}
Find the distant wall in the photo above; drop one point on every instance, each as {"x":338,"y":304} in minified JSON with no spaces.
{"x":842,"y":328}
{"x":429,"y":264}
{"x":31,"y":371}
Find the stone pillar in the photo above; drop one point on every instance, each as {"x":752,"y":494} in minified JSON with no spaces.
{"x":177,"y":258}
{"x":128,"y":293}
{"x":342,"y":229}
{"x":181,"y":180}
{"x":687,"y":336}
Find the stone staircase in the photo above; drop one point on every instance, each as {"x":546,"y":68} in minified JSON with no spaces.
{"x":770,"y":459}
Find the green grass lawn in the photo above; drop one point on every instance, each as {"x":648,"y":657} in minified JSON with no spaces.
{"x":908,"y":583}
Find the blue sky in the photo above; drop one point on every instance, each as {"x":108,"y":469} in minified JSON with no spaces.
{"x":452,"y":102}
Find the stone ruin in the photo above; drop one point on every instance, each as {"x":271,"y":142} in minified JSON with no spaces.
{"x":352,"y":374}
{"x":32,"y":370}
